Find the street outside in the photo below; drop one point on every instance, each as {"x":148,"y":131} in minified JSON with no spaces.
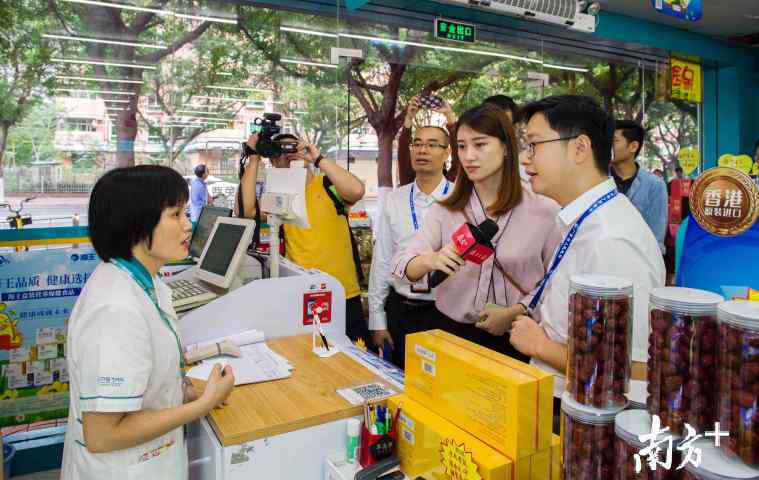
{"x":48,"y":211}
{"x":57,"y":211}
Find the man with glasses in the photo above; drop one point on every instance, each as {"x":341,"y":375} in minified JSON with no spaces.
{"x":398,"y":308}
{"x":569,"y":144}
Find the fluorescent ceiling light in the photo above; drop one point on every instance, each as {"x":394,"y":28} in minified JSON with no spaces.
{"x":115,"y":109}
{"x":153,"y":10}
{"x":108,"y":92}
{"x":302,"y":62}
{"x":103,"y":63}
{"x":115,"y":101}
{"x":308,"y":32}
{"x":245,"y":89}
{"x":195,"y":111}
{"x":571,"y":69}
{"x":441,"y":47}
{"x":204,"y":117}
{"x":100,"y":40}
{"x":207,"y":19}
{"x":221,"y":98}
{"x":120,"y":5}
{"x":226,"y":74}
{"x":99,"y":79}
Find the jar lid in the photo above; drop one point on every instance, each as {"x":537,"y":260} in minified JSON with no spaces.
{"x":631,"y":424}
{"x":716,"y":465}
{"x":638,"y":392}
{"x":588,"y":414}
{"x":604,"y":286}
{"x":686,"y":300}
{"x":740,"y":313}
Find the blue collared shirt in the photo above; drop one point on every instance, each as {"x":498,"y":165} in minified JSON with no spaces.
{"x":649,"y":195}
{"x":198,"y":197}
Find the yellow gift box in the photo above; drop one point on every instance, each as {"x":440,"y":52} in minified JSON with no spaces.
{"x":505,"y":403}
{"x":434,"y":448}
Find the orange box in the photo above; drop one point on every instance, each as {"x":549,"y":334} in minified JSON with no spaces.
{"x":506,"y":403}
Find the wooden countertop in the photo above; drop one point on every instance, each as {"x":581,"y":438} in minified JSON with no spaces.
{"x":306,"y":399}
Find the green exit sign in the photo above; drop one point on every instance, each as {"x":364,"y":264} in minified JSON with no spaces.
{"x":456,"y":31}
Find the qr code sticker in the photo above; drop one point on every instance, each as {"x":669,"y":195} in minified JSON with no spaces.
{"x":369,"y":392}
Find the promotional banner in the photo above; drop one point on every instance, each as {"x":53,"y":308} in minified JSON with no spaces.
{"x":689,"y":160}
{"x":686,"y":81}
{"x":38,"y":290}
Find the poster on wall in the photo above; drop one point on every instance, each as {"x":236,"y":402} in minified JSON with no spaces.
{"x":38,"y":290}
{"x":691,"y":10}
{"x":686,"y":81}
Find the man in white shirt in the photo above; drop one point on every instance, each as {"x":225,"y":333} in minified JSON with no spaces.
{"x":570,"y":141}
{"x":396,"y":307}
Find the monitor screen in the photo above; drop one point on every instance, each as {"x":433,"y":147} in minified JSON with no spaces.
{"x":205,"y":224}
{"x":222,"y":249}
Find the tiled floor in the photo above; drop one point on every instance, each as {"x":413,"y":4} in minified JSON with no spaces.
{"x":48,"y":475}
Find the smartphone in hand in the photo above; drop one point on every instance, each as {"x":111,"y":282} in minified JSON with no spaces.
{"x":430,"y":101}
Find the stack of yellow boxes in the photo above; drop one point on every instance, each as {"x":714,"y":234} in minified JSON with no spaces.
{"x":471,"y":413}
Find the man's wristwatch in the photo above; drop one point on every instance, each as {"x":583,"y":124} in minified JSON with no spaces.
{"x":318,"y":159}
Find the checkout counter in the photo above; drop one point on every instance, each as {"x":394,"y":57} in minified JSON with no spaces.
{"x":281,"y":429}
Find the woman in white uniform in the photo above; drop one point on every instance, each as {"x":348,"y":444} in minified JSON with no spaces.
{"x":129,"y":401}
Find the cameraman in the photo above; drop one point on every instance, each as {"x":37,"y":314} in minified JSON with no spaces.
{"x":327,"y":244}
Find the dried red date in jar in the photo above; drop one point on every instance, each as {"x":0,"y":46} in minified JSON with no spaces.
{"x":600,"y":340}
{"x":628,"y":426}
{"x":681,"y":343}
{"x":738,"y":364}
{"x":716,"y":464}
{"x":588,"y":448}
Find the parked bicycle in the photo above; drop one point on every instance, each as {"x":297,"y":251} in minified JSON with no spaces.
{"x":17,"y":220}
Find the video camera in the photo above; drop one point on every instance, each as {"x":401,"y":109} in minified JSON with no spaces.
{"x":267,"y":146}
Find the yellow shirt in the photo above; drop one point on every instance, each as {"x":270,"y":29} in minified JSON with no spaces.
{"x":327,"y":244}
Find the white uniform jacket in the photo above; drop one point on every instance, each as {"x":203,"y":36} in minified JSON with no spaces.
{"x":122,"y":357}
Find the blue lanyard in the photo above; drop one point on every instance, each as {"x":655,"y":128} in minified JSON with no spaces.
{"x":413,"y":207}
{"x":566,"y":243}
{"x":139,"y":274}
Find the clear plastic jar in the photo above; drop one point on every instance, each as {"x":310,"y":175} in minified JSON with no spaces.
{"x":682,"y":356}
{"x":628,"y":426}
{"x":716,"y":465}
{"x":738,"y":376}
{"x":637,"y":395}
{"x":600,"y":339}
{"x":588,"y":440}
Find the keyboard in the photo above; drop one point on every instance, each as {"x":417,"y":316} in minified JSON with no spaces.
{"x":186,"y":294}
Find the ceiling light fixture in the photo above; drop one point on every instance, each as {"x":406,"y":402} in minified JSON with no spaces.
{"x":99,"y":79}
{"x":303,"y":62}
{"x":561,"y":67}
{"x":107,"y":92}
{"x":100,"y":40}
{"x":440,"y":47}
{"x":108,"y":100}
{"x":244,"y":89}
{"x":308,"y":32}
{"x":154,"y":10}
{"x":228,"y":21}
{"x":220,"y":98}
{"x":103,"y":63}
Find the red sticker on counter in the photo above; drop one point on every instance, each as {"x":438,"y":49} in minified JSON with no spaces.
{"x":317,"y":302}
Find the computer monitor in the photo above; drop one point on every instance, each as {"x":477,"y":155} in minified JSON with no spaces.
{"x":206,"y":221}
{"x":224,"y":250}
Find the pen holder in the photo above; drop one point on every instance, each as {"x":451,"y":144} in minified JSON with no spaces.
{"x":376,"y":447}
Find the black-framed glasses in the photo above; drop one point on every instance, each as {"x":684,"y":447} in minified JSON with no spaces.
{"x":531,"y":145}
{"x":420,"y":145}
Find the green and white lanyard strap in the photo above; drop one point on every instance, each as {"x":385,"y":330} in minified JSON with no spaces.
{"x":142,"y":277}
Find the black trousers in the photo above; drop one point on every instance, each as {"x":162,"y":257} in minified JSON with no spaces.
{"x":405,"y":316}
{"x":355,"y":322}
{"x":469,"y":332}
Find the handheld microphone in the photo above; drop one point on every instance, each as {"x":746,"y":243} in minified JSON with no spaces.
{"x":472,"y":244}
